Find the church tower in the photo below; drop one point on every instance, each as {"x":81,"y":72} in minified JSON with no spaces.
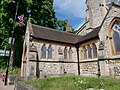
{"x":95,"y":12}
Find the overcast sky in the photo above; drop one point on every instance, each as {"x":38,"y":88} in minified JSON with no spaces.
{"x":73,"y":10}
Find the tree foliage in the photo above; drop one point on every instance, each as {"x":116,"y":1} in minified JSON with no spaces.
{"x":62,"y":24}
{"x":3,"y":62}
{"x":42,"y":13}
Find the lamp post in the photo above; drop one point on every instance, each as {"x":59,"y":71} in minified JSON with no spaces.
{"x":11,"y":45}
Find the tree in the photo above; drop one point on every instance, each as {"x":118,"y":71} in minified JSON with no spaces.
{"x":42,"y":13}
{"x":62,"y":24}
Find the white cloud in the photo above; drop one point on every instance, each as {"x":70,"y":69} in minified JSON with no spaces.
{"x":71,"y":7}
{"x":76,"y":27}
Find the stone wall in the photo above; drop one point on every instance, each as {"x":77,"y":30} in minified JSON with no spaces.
{"x":57,"y":65}
{"x":95,"y":12}
{"x":60,"y":66}
{"x":23,"y":86}
{"x":102,"y":68}
{"x":105,"y":30}
{"x":56,"y":69}
{"x":114,"y":67}
{"x":89,"y":68}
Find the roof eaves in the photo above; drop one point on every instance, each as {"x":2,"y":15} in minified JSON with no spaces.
{"x":37,"y":38}
{"x":89,"y":36}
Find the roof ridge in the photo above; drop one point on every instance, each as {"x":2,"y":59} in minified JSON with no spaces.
{"x":55,"y":30}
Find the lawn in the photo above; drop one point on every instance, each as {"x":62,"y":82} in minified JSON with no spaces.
{"x":75,"y":83}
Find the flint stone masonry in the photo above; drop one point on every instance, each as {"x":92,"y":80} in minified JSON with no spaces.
{"x":95,"y":13}
{"x":114,"y":67}
{"x":51,"y":69}
{"x":89,"y":68}
{"x":54,"y":66}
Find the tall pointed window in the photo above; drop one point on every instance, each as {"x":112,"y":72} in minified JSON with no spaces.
{"x":65,"y":53}
{"x":89,"y":52}
{"x":94,"y":48}
{"x":116,"y":36}
{"x":84,"y":53}
{"x":70,"y":53}
{"x":43,"y":51}
{"x":50,"y":52}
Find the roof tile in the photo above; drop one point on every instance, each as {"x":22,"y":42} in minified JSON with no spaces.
{"x":45,"y":33}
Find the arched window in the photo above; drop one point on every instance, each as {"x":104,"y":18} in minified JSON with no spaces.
{"x":89,"y":52}
{"x":84,"y":53}
{"x":94,"y":48}
{"x":43,"y":51}
{"x":109,"y":2}
{"x":50,"y":52}
{"x":65,"y":53}
{"x":116,"y":36}
{"x":70,"y":53}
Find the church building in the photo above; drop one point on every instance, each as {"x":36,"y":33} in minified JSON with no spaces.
{"x":94,"y":50}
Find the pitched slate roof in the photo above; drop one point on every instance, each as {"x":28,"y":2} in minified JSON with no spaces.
{"x":40,"y":32}
{"x":53,"y":34}
{"x":89,"y":36}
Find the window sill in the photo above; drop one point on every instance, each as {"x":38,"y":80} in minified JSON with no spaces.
{"x":92,"y":59}
{"x":115,"y":56}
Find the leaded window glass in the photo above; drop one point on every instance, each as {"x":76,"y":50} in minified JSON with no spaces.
{"x":89,"y":52}
{"x":116,"y":37}
{"x":43,"y":51}
{"x":70,"y":53}
{"x":65,"y":53}
{"x":94,"y":48}
{"x":50,"y":52}
{"x":84,"y":53}
{"x":117,"y":2}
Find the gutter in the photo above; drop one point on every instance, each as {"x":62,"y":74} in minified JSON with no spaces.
{"x":77,"y":48}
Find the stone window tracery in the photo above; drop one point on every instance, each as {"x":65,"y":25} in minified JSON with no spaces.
{"x":84,"y":53}
{"x":43,"y":51}
{"x":89,"y":52}
{"x":94,"y":48}
{"x":70,"y":53}
{"x":65,"y":53}
{"x":117,"y":2}
{"x":50,"y":52}
{"x":116,"y":36}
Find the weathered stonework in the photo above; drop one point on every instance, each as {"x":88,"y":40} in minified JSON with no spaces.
{"x":99,"y":16}
{"x":89,"y":69}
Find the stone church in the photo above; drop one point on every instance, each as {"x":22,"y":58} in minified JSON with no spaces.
{"x":94,"y":50}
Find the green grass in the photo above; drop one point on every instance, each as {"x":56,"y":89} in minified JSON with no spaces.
{"x":75,"y":83}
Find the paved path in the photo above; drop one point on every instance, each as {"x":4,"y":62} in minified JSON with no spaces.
{"x":7,"y":87}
